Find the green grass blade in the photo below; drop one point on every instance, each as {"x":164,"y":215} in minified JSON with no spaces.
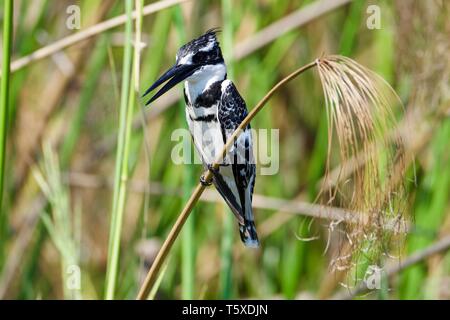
{"x":430,"y":209}
{"x":121,"y":169}
{"x":8,"y":8}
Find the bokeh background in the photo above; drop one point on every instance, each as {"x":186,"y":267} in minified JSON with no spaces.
{"x":64,"y":120}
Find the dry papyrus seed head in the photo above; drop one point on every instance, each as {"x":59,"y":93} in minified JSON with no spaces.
{"x":369,"y":181}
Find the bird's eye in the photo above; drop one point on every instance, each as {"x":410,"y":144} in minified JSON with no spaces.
{"x":200,"y":57}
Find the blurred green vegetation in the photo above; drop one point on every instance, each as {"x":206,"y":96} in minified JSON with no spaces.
{"x":71,"y":101}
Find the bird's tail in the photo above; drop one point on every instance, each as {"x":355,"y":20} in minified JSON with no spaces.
{"x":248,"y":234}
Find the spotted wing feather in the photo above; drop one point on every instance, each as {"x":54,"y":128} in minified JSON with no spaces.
{"x":232,"y":111}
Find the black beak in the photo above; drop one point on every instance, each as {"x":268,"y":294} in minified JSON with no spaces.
{"x":178,"y":73}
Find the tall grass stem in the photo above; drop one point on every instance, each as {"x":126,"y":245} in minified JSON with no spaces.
{"x":121,"y":169}
{"x":8,"y":8}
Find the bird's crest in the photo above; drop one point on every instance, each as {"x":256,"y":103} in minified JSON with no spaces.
{"x":207,"y":44}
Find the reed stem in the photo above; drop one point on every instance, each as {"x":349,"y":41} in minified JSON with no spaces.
{"x":122,"y":156}
{"x":8,"y":8}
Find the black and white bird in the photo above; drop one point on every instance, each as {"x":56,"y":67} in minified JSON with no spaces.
{"x":214,"y":109}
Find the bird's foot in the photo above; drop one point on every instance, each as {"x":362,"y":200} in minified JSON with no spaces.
{"x":204,"y":182}
{"x":212,"y":169}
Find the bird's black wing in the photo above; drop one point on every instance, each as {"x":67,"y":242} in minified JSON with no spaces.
{"x":232,"y":110}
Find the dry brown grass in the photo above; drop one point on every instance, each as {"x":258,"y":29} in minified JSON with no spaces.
{"x":360,"y":112}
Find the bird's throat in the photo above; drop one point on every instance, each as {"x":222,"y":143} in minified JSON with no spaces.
{"x":202,"y":79}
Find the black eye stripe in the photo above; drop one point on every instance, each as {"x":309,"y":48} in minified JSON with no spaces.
{"x":200,"y":56}
{"x":206,"y":56}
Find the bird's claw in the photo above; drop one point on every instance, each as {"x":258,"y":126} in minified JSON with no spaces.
{"x":212,"y":169}
{"x":204,"y":182}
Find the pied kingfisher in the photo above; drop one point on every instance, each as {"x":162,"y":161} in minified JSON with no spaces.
{"x":214,"y":109}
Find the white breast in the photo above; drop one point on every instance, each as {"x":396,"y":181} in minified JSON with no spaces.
{"x":207,"y":136}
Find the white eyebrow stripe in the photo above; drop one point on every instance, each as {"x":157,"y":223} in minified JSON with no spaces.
{"x":186,"y":59}
{"x":209,"y":46}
